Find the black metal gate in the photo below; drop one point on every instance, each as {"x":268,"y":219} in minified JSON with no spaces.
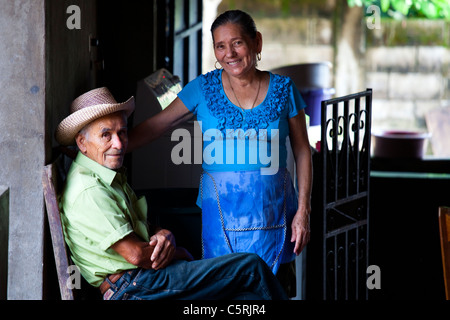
{"x":340,"y":216}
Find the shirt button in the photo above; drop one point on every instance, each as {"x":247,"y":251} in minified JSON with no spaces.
{"x":134,"y":283}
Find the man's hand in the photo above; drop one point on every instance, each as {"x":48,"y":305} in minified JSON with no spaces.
{"x":164,"y":245}
{"x":156,"y":254}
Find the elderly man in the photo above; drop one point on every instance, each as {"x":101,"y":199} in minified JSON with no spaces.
{"x":105,"y":224}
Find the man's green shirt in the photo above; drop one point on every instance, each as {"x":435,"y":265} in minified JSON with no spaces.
{"x":98,"y":208}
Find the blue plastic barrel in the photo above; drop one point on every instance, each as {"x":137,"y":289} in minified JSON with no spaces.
{"x":313,"y":99}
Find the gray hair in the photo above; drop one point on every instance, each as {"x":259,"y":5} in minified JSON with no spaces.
{"x":241,"y":18}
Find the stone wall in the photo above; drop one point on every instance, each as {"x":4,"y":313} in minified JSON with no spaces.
{"x":410,"y":75}
{"x":295,"y":40}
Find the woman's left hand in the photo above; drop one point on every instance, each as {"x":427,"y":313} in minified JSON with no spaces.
{"x":300,"y":230}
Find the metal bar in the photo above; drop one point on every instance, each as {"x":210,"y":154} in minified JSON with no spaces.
{"x":324,"y":151}
{"x":335,"y":269}
{"x":347,"y":200}
{"x":336,"y":149}
{"x":357,"y":264}
{"x":368,"y":130}
{"x":347,"y":146}
{"x":348,"y":97}
{"x":345,"y":228}
{"x":356,"y":146}
{"x":346,"y":265}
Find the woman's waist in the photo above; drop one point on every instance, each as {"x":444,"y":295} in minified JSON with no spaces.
{"x":257,"y":168}
{"x":248,"y":199}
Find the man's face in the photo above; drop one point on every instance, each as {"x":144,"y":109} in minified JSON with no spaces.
{"x":105,"y":140}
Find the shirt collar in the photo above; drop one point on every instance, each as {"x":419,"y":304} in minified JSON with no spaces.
{"x":104,"y":173}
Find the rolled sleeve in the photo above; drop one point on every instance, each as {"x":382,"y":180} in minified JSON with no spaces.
{"x":115,"y":236}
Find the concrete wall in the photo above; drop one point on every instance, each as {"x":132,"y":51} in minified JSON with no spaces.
{"x":43,"y":67}
{"x":22,"y":109}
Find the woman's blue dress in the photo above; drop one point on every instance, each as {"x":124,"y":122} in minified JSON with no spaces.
{"x":247,"y":197}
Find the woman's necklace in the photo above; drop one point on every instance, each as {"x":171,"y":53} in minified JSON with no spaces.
{"x":234,"y":93}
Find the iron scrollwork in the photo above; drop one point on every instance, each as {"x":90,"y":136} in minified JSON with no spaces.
{"x":345,"y":156}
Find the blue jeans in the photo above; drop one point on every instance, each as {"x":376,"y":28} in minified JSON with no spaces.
{"x":224,"y":277}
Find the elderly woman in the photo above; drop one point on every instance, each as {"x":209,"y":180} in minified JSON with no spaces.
{"x":248,"y":200}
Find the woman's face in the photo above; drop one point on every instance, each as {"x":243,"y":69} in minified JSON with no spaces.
{"x":235,"y":51}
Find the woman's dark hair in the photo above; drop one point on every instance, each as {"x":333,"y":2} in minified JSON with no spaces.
{"x":238,"y":17}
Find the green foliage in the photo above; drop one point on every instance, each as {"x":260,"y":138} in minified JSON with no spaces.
{"x":430,"y":9}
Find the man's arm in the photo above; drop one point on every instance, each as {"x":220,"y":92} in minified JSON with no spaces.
{"x":156,"y":254}
{"x":135,"y":251}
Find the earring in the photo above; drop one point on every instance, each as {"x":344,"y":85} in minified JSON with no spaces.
{"x":258,"y":56}
{"x":215,"y":65}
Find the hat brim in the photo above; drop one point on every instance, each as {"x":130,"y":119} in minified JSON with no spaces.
{"x":69,"y":127}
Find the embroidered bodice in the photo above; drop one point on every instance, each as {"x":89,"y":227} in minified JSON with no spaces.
{"x":231,"y":117}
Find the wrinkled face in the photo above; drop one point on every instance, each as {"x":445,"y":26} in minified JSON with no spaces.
{"x":105,"y":140}
{"x":235,"y":51}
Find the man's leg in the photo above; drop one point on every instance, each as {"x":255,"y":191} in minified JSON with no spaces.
{"x":223,"y":277}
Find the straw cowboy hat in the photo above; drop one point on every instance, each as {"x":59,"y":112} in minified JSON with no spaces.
{"x":87,"y":108}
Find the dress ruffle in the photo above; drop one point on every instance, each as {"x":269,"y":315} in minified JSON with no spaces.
{"x":231,"y":117}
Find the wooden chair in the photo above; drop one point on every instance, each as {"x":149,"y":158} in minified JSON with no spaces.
{"x":444,"y":230}
{"x":53,"y":178}
{"x":52,"y":182}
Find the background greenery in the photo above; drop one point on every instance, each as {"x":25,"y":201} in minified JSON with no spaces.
{"x":430,"y":9}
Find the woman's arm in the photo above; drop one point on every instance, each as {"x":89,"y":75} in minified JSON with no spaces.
{"x":302,"y":154}
{"x":153,"y":127}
